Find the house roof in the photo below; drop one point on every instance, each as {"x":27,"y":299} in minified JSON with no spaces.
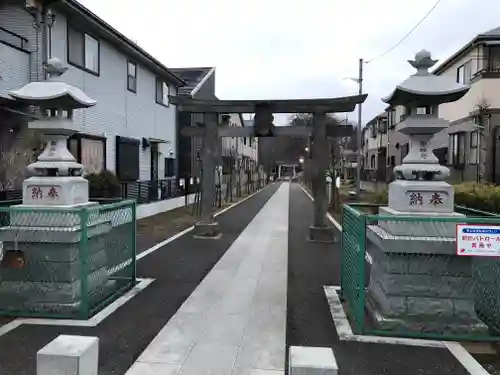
{"x":194,"y":78}
{"x":73,"y":8}
{"x":379,"y":116}
{"x":493,"y":34}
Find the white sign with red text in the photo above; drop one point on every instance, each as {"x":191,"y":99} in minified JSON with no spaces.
{"x":478,"y":240}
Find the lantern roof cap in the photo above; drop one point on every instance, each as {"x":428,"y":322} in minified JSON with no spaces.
{"x":52,"y":94}
{"x":425,"y":88}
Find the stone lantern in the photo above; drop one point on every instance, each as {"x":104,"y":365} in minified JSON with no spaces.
{"x":417,"y":280}
{"x":56,"y":229}
{"x":57,"y":176}
{"x":420,"y":188}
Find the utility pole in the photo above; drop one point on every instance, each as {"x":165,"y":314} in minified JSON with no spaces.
{"x":358,"y":132}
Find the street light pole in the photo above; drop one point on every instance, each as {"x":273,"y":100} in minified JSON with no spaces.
{"x":359,"y":134}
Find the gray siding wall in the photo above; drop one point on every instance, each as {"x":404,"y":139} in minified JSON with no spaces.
{"x":118,"y":111}
{"x":17,"y":66}
{"x":14,"y":68}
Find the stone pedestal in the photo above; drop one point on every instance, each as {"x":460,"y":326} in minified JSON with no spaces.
{"x":75,"y":355}
{"x":50,"y":243}
{"x":419,"y":284}
{"x":204,"y":230}
{"x":321,"y":234}
{"x":421,"y":226}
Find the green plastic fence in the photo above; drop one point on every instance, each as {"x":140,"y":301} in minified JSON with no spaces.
{"x":66,"y":263}
{"x":411,"y":283}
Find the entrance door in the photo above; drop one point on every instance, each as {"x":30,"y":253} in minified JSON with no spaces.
{"x":153,"y":193}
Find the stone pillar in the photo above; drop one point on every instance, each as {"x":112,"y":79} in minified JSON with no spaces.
{"x":208,"y":227}
{"x":320,"y":232}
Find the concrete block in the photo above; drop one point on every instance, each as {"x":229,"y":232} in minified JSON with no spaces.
{"x":69,"y":355}
{"x":435,"y":307}
{"x":312,"y":361}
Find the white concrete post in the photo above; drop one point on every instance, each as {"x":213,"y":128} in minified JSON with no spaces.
{"x":72,"y":355}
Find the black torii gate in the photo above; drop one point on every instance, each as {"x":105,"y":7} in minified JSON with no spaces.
{"x":211,"y":131}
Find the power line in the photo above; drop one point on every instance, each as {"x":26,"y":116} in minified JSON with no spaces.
{"x":407,"y":35}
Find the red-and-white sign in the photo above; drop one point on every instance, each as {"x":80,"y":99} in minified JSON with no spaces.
{"x":478,"y":240}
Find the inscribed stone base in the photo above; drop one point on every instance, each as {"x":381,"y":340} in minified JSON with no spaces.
{"x":421,"y":196}
{"x":204,"y":230}
{"x":321,"y":234}
{"x":420,"y":226}
{"x":420,"y":284}
{"x":44,"y":191}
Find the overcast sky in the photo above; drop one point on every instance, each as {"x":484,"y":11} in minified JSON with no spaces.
{"x":267,"y":49}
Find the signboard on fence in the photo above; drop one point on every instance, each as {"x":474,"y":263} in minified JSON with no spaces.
{"x":478,"y":240}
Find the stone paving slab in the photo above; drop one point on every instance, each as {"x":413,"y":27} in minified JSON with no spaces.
{"x":234,"y":323}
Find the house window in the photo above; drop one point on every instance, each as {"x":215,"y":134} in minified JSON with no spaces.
{"x":169,"y":167}
{"x":494,"y":60}
{"x":464,"y":73}
{"x":382,"y":125}
{"x":404,"y":150}
{"x":132,"y":76}
{"x":127,"y":158}
{"x":473,"y":155}
{"x":93,"y":154}
{"x":90,"y":151}
{"x":372,"y":162}
{"x":392,"y":161}
{"x":83,"y":51}
{"x":392,"y":119}
{"x":458,"y":149}
{"x":162,"y":92}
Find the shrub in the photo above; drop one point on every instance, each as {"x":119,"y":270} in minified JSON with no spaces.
{"x":103,"y":185}
{"x":485,"y":196}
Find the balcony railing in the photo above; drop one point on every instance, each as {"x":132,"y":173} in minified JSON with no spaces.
{"x":13,"y":40}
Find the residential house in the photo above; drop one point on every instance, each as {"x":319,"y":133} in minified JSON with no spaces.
{"x":132,"y":129}
{"x":349,"y":159}
{"x":199,"y":84}
{"x":375,"y":148}
{"x":477,"y":64}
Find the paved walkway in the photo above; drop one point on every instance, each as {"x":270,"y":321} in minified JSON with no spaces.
{"x":177,"y":269}
{"x":234,"y":323}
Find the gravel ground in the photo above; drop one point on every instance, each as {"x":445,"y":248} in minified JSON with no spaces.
{"x":309,"y":323}
{"x":177,"y":267}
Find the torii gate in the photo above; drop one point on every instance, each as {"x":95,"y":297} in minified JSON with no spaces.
{"x":211,"y":131}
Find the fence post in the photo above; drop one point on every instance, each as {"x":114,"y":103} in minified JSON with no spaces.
{"x":361,"y":266}
{"x":134,"y":242}
{"x":84,"y":267}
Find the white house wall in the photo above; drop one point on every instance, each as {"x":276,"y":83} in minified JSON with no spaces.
{"x":119,"y":111}
{"x":486,"y":89}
